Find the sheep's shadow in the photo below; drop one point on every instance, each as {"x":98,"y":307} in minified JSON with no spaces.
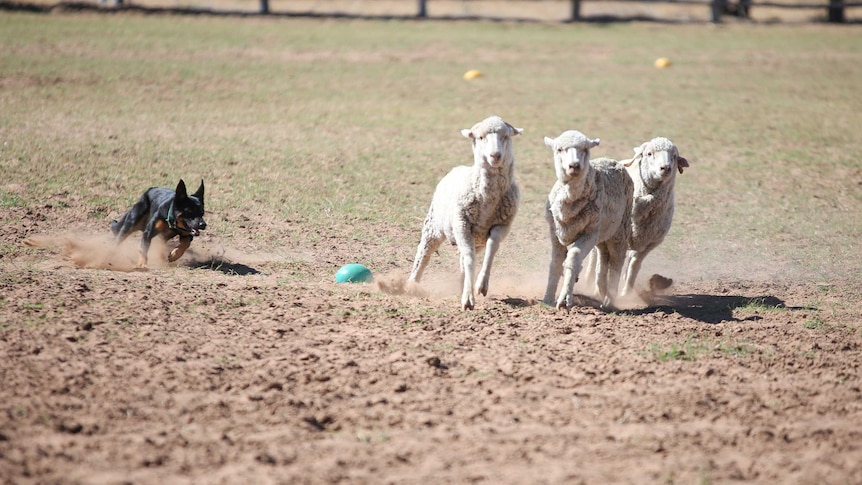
{"x":226,"y":267}
{"x":709,"y":309}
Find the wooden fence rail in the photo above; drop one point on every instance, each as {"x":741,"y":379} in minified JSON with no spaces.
{"x":835,"y":8}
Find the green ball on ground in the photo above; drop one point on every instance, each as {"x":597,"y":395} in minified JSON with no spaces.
{"x":353,"y":273}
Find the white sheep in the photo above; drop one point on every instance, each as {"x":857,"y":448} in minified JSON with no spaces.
{"x":588,"y":207}
{"x":653,"y":171}
{"x":473,"y":206}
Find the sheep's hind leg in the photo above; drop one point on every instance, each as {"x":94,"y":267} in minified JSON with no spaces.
{"x":613,"y":256}
{"x":427,"y":246}
{"x":634,"y":261}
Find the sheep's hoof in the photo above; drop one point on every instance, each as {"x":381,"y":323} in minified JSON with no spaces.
{"x":562,"y":304}
{"x":482,"y":283}
{"x":467,"y":303}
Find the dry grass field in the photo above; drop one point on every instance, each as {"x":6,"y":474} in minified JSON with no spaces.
{"x":320,"y":142}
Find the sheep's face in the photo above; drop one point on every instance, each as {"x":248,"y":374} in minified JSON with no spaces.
{"x":571,"y":154}
{"x":660,"y":159}
{"x":492,"y":141}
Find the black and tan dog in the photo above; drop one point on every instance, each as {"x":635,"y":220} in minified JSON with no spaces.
{"x":167,"y":213}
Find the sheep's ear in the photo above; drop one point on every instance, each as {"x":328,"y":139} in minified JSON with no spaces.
{"x":467,"y":133}
{"x":515,"y":131}
{"x":549,"y":142}
{"x":681,"y":163}
{"x":639,"y":151}
{"x":595,"y":143}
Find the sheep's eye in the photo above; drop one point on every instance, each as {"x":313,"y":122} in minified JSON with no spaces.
{"x":649,"y":154}
{"x":481,"y":138}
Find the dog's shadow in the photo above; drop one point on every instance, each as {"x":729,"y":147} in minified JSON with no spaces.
{"x":223,"y":266}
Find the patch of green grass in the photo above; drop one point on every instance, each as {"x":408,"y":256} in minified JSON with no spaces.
{"x":760,"y":305}
{"x":372,"y":437}
{"x":8,"y":199}
{"x":815,"y":323}
{"x":808,"y":354}
{"x":735,"y":349}
{"x":689,"y":350}
{"x":694,"y":348}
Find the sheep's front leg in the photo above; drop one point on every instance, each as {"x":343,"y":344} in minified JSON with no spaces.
{"x":558,"y":256}
{"x":572,"y":267}
{"x":468,"y":260}
{"x":464,"y":241}
{"x":498,"y":234}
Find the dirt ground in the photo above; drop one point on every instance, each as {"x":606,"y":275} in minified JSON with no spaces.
{"x":231,"y":369}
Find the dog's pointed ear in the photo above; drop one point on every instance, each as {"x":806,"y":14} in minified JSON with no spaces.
{"x":181,"y":190}
{"x":199,"y":194}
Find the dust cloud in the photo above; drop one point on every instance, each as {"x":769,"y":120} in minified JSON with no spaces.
{"x":100,"y":251}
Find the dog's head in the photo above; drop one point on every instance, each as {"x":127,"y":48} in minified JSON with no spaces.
{"x":188,"y":210}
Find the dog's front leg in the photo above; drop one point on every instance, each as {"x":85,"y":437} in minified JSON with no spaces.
{"x":178,"y":252}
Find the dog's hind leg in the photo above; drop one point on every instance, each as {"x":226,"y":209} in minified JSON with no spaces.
{"x":133,"y":220}
{"x":153,"y":228}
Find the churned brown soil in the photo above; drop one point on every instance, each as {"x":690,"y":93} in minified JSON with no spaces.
{"x":228,"y":368}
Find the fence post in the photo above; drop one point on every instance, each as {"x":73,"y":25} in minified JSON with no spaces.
{"x":836,"y":11}
{"x":423,"y":12}
{"x":743,"y":9}
{"x":264,"y":7}
{"x":576,"y":10}
{"x":718,"y":7}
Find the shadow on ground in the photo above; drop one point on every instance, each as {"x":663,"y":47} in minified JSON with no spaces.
{"x":226,"y":267}
{"x":712,"y":309}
